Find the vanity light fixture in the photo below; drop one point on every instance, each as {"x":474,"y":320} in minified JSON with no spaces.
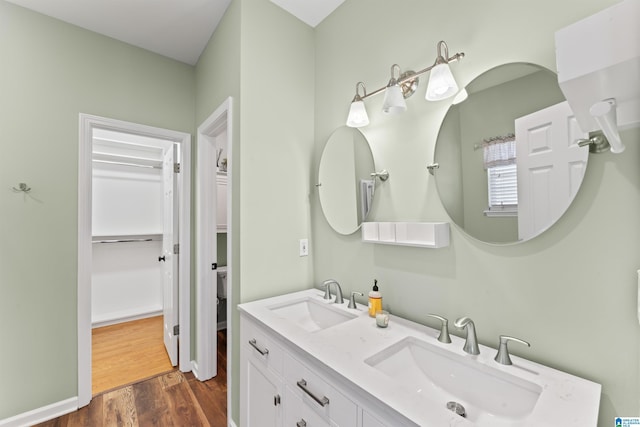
{"x":357,"y":112}
{"x":441,"y":85}
{"x":393,"y":97}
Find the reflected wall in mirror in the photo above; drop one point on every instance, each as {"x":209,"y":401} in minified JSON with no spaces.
{"x":345,"y":185}
{"x":531,"y":189}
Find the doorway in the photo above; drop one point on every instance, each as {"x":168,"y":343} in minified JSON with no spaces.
{"x":215,"y":225}
{"x":174,"y":236}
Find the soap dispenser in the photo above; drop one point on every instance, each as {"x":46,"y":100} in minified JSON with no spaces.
{"x":375,"y":300}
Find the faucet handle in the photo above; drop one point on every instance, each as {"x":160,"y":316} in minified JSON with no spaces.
{"x":444,"y":329}
{"x":352,"y":299}
{"x":503,"y":351}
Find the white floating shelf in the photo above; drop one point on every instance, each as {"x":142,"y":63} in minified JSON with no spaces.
{"x":420,"y":234}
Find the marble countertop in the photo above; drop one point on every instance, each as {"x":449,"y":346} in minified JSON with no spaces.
{"x":565,"y":400}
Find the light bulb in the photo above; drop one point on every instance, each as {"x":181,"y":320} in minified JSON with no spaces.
{"x":393,"y":100}
{"x":357,"y":115}
{"x":441,"y":85}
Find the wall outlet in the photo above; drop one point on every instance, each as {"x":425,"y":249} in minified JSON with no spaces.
{"x":304,"y":247}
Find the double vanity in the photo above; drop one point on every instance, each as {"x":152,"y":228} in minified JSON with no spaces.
{"x":307,"y":361}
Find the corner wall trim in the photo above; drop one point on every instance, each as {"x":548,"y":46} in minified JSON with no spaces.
{"x":42,"y":414}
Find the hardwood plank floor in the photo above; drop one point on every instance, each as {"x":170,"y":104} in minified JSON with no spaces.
{"x":126,"y":353}
{"x":170,"y":399}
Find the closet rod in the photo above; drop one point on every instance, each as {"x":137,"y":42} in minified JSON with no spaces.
{"x":127,"y":164}
{"x":122,"y":241}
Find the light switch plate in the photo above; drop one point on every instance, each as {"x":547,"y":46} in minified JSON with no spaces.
{"x":304,"y":247}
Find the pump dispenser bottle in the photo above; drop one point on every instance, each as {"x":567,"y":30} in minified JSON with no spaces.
{"x":375,"y":300}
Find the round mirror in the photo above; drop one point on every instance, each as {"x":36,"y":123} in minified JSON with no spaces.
{"x":345,"y":184}
{"x":508,"y":162}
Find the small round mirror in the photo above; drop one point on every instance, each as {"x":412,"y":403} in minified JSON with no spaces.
{"x":509,"y":164}
{"x":345,"y":185}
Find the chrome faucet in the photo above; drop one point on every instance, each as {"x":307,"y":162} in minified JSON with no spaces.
{"x":327,"y":291}
{"x":471,"y":343}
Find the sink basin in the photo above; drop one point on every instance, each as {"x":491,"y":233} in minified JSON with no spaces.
{"x":488,"y":395}
{"x":311,"y":315}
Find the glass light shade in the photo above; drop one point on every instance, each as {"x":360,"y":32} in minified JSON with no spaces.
{"x":357,"y":115}
{"x":393,"y":100}
{"x":461,"y":96}
{"x":441,"y":85}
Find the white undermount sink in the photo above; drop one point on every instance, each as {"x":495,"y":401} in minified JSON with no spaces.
{"x":489,"y":396}
{"x":310,"y":314}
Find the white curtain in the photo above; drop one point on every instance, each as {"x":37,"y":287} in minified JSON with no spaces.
{"x":499,"y":151}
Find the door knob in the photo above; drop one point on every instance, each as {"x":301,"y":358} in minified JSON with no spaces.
{"x":162,"y":258}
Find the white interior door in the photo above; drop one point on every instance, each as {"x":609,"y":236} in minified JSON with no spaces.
{"x":168,"y":258}
{"x":551,"y":166}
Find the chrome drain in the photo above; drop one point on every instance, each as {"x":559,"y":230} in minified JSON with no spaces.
{"x":457,"y":408}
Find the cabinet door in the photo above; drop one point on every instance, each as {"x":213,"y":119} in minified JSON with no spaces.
{"x":263,"y":402}
{"x":368,"y":420}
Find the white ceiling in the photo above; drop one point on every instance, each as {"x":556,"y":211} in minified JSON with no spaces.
{"x":179,"y":29}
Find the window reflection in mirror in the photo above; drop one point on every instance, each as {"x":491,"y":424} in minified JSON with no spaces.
{"x":497,"y":100}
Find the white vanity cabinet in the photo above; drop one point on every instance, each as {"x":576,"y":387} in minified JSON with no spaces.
{"x":280,"y":386}
{"x":368,"y":420}
{"x":316,"y":396}
{"x":261,"y":378}
{"x":308,"y":362}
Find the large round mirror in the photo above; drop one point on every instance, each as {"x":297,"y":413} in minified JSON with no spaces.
{"x":345,"y":184}
{"x":508,"y":162}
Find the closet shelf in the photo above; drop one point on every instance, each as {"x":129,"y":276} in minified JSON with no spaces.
{"x":417,"y":234}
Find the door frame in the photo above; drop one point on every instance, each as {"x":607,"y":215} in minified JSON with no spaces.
{"x":87,"y":124}
{"x":205,"y":365}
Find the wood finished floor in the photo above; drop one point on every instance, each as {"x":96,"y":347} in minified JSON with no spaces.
{"x":170,"y":399}
{"x":126,"y":353}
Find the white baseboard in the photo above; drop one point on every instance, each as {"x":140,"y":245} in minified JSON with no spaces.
{"x":121,"y":318}
{"x":194,"y":369}
{"x":43,"y":414}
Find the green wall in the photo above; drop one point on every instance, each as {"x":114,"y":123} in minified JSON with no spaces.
{"x":270,"y":75}
{"x":572,"y":291}
{"x":51,"y":72}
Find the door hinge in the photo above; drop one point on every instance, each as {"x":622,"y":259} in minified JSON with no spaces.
{"x":176,"y":248}
{"x":176,"y":330}
{"x":176,"y":167}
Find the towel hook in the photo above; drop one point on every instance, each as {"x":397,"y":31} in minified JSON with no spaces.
{"x":22,"y":187}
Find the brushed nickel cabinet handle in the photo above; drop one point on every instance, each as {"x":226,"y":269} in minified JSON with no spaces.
{"x":258,"y":349}
{"x":322,"y":401}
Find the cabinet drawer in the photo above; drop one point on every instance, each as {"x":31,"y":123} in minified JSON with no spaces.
{"x":319,"y":395}
{"x":259,"y":345}
{"x":298,"y":414}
